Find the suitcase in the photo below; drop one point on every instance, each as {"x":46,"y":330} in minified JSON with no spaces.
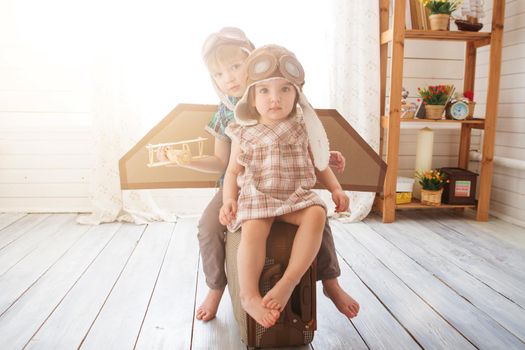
{"x":297,"y":322}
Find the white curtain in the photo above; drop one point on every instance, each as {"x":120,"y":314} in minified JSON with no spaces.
{"x":355,"y":78}
{"x":116,"y":119}
{"x":120,"y":65}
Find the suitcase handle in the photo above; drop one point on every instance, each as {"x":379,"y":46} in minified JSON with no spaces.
{"x":305,"y":294}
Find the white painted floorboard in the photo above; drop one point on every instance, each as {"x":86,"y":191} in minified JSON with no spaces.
{"x":118,"y":324}
{"x":430,"y":280}
{"x":15,"y":230}
{"x":169,"y":319}
{"x":7,"y":219}
{"x":68,"y":324}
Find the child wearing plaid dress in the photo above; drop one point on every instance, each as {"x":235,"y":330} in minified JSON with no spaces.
{"x":225,"y":53}
{"x":270,"y":176}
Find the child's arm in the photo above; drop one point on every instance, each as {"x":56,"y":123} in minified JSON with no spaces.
{"x":230,"y":190}
{"x":328,"y":179}
{"x":213,"y":164}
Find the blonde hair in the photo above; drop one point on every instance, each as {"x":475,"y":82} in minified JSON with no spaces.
{"x":224,"y":54}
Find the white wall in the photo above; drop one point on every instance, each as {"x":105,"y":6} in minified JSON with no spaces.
{"x":508,"y":190}
{"x":45,"y":145}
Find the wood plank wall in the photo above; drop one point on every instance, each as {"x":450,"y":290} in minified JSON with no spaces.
{"x":508,"y":191}
{"x":45,"y":126}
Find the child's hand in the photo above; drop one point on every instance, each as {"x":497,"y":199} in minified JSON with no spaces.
{"x":161,"y":154}
{"x":228,"y":212}
{"x":341,"y":201}
{"x":337,"y":161}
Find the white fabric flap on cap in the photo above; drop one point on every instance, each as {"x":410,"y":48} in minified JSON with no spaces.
{"x":317,"y":137}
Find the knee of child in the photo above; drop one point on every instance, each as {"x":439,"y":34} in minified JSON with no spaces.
{"x":317,"y":214}
{"x":203,"y":230}
{"x":207,"y":230}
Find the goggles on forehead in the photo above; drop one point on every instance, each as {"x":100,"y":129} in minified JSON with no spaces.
{"x":228,"y":35}
{"x":266,"y":65}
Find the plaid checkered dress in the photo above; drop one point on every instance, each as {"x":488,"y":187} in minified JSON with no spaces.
{"x":278,"y":172}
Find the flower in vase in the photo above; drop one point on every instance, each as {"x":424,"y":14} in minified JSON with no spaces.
{"x":432,"y":180}
{"x":438,"y":7}
{"x":435,"y":94}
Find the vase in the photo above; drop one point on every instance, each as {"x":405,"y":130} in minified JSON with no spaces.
{"x":434,"y":111}
{"x":439,"y":21}
{"x":429,"y":197}
{"x":471,"y":106}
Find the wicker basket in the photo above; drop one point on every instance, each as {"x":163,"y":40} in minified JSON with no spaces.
{"x":431,"y":197}
{"x":439,"y":21}
{"x":434,"y":111}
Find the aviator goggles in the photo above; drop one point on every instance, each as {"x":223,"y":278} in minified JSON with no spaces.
{"x":268,"y":64}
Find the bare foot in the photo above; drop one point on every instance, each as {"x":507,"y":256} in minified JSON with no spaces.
{"x":208,"y":309}
{"x":344,"y":302}
{"x":278,"y":296}
{"x":263,"y":316}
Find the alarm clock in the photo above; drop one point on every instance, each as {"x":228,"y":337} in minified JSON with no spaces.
{"x":457,"y":109}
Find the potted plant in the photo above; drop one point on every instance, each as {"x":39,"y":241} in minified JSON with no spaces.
{"x":434,"y":97}
{"x":469,"y":96}
{"x":432,"y":183}
{"x":440,"y":11}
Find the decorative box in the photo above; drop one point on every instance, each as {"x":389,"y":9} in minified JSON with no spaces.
{"x":461,"y":187}
{"x":404,"y":188}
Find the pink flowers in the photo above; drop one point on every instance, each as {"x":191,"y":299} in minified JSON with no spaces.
{"x":435,"y":94}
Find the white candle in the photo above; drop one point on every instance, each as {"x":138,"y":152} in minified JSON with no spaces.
{"x":424,"y":149}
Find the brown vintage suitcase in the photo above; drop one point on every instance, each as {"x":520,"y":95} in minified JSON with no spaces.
{"x":297,"y":323}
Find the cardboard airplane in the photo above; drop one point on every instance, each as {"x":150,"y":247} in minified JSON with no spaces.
{"x":184,"y":126}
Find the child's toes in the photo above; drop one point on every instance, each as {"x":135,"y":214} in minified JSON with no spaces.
{"x":275,"y":314}
{"x":271,"y":318}
{"x":274,"y":305}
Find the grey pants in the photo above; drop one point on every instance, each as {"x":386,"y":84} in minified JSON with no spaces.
{"x":212,"y":246}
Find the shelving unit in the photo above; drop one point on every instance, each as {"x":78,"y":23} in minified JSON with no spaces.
{"x":390,"y":124}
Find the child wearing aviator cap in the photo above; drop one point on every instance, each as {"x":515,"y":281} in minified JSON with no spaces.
{"x":224,"y":54}
{"x":272,"y":159}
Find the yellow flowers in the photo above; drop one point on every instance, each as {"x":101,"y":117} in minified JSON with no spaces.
{"x":441,"y":6}
{"x":432,"y":180}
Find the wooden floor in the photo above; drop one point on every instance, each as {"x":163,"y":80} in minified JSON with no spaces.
{"x":431,"y":280}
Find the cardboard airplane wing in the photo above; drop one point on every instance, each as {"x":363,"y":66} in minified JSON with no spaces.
{"x":183,"y":129}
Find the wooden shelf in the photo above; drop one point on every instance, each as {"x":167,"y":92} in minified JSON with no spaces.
{"x":395,"y":37}
{"x":480,"y":38}
{"x":416,"y":204}
{"x":477,"y":123}
{"x":445,"y":35}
